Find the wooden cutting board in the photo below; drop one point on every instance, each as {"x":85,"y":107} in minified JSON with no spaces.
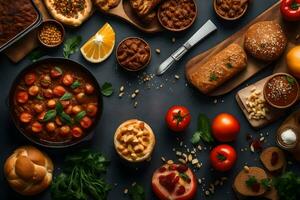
{"x":254,"y":65}
{"x":24,"y":46}
{"x":125,"y":12}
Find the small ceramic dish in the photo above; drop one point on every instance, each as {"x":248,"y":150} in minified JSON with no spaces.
{"x":133,"y":54}
{"x":51,"y":33}
{"x":217,"y":3}
{"x":177,"y":21}
{"x":281,"y":91}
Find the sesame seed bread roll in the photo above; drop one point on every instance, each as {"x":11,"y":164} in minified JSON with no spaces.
{"x":218,"y":69}
{"x":265,"y":41}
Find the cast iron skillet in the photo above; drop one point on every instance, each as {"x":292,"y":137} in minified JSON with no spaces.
{"x":88,"y":134}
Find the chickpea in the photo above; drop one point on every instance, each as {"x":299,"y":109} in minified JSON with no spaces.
{"x":45,"y":80}
{"x":76,"y":109}
{"x":77,"y":132}
{"x":48,"y":93}
{"x":59,"y":90}
{"x":68,"y":110}
{"x":80,"y":97}
{"x":51,"y":126}
{"x":91,"y":110}
{"x":36,"y":127}
{"x":65,"y":130}
{"x":25,"y":117}
{"x":33,"y":90}
{"x":38,"y":108}
{"x":51,"y":103}
{"x":68,"y":79}
{"x":89,"y":89}
{"x":30,"y":78}
{"x":86,"y":122}
{"x":22,"y":97}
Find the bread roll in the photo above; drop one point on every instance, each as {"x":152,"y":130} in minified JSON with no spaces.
{"x":28,"y":170}
{"x":265,"y":40}
{"x":218,"y":69}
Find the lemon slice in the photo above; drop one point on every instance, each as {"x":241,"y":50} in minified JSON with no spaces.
{"x":100,"y":46}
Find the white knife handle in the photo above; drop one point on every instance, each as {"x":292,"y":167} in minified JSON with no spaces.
{"x":179,"y":53}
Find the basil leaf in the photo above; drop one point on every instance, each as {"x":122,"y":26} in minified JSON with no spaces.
{"x":59,"y":107}
{"x":203,"y":131}
{"x":75,"y":85}
{"x":35,"y":55}
{"x":107,"y":89}
{"x":58,"y":69}
{"x":80,"y":115}
{"x":71,"y":46}
{"x":66,"y":118}
{"x":66,"y":96}
{"x":137,"y":192}
{"x":196,"y":138}
{"x":50,"y":115}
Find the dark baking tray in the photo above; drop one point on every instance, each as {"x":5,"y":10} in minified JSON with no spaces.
{"x":25,"y":31}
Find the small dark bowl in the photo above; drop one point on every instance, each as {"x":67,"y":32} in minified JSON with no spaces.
{"x":181,"y":29}
{"x":54,"y":23}
{"x":88,"y":134}
{"x":229,"y":18}
{"x":142,"y":67}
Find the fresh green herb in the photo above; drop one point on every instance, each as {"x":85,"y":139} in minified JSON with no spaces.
{"x":184,"y":177}
{"x":59,"y":70}
{"x":81,"y":178}
{"x":66,"y":96}
{"x":295,"y":6}
{"x":50,"y":115}
{"x":266,"y":183}
{"x":288,"y":185}
{"x":80,"y":115}
{"x":35,"y":55}
{"x":136,"y":192}
{"x":71,"y":45}
{"x":59,"y":107}
{"x":107,"y":89}
{"x":75,"y":85}
{"x":251,"y":181}
{"x":221,"y":157}
{"x":39,"y":97}
{"x":229,"y":65}
{"x":66,"y":118}
{"x":203,"y":131}
{"x":213,"y":77}
{"x":290,"y":80}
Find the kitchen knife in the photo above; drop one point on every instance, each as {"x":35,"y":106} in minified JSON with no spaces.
{"x":204,"y":31}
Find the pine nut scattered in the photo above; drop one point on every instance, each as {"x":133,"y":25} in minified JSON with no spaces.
{"x":157,"y":51}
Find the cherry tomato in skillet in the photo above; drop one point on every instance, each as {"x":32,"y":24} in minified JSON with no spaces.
{"x":174,"y":182}
{"x":223,"y":157}
{"x":22,"y":97}
{"x":178,"y":118}
{"x":225,"y":127}
{"x":30,"y":78}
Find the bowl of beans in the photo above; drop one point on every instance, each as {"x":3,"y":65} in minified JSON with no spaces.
{"x":55,"y":102}
{"x":230,"y":9}
{"x":133,"y":54}
{"x":51,"y":33}
{"x":177,"y":15}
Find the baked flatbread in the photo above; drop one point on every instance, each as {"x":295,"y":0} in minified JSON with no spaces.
{"x":69,"y":12}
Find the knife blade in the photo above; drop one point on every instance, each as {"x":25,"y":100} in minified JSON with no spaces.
{"x":203,"y":31}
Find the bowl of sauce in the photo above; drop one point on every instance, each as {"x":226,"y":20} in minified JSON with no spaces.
{"x":281,"y":90}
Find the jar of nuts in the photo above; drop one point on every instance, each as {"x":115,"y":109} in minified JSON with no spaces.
{"x":134,"y":140}
{"x":51,"y":33}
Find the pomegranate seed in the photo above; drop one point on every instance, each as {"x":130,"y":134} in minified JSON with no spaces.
{"x":172,"y":167}
{"x":182,"y":168}
{"x":180,"y":191}
{"x":168,"y":181}
{"x":162,"y":169}
{"x":176,"y":180}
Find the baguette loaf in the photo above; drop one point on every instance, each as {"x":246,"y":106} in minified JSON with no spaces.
{"x":218,"y":69}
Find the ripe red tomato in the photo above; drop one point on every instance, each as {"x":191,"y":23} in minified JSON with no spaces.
{"x":223,"y":157}
{"x":225,"y":127}
{"x":174,"y":182}
{"x":178,"y":118}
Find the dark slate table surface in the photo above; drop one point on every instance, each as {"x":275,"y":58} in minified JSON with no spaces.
{"x":152,"y":105}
